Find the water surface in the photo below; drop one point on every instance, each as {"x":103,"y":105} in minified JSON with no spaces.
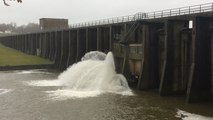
{"x":20,"y":100}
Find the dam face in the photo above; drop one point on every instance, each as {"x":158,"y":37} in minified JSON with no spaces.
{"x":154,"y":50}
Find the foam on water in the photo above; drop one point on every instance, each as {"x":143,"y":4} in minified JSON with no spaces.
{"x":92,"y":76}
{"x":63,"y":94}
{"x":31,"y":71}
{"x":4,"y":91}
{"x":44,"y":83}
{"x":190,"y":116}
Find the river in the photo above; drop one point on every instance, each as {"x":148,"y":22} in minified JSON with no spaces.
{"x":20,"y":100}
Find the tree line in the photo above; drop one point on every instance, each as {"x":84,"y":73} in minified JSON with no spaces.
{"x":13,"y":28}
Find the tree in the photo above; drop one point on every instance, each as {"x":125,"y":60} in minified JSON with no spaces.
{"x":5,"y":3}
{"x":12,"y":27}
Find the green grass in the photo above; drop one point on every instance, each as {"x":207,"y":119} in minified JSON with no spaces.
{"x":12,"y":57}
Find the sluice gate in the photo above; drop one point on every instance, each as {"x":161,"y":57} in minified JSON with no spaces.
{"x":156,"y":50}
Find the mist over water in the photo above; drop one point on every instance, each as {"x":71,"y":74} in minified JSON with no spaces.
{"x":92,"y":76}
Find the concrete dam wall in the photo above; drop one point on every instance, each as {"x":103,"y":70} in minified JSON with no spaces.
{"x":155,"y":50}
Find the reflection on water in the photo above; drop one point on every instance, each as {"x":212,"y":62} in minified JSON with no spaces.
{"x":29,"y":100}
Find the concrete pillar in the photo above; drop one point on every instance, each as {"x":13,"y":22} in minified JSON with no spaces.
{"x":38,"y":44}
{"x":87,"y":39}
{"x":149,"y":63}
{"x":11,"y":42}
{"x":92,"y":39}
{"x":26,"y":44}
{"x":98,"y":38}
{"x":47,"y":45}
{"x":64,"y":49}
{"x":58,"y":48}
{"x":43,"y":44}
{"x":110,"y":38}
{"x":34,"y":44}
{"x":81,"y":43}
{"x":52,"y":45}
{"x":22,"y":43}
{"x":185,"y":59}
{"x":18,"y":42}
{"x":103,"y":39}
{"x":118,"y":49}
{"x":30,"y":43}
{"x":72,"y":47}
{"x":199,"y":87}
{"x":212,"y":57}
{"x":171,"y":69}
{"x":106,"y":39}
{"x":14,"y":42}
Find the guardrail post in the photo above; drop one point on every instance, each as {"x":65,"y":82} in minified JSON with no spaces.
{"x":179,"y":11}
{"x":161,"y":13}
{"x":189,"y":10}
{"x":212,"y":7}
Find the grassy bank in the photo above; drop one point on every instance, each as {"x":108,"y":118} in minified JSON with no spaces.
{"x":12,"y":57}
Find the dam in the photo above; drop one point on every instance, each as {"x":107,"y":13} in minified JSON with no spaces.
{"x":169,"y":50}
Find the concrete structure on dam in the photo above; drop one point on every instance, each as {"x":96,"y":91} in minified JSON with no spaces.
{"x":53,"y":23}
{"x":156,"y":50}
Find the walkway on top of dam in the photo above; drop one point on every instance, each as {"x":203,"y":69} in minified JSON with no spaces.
{"x":175,"y":13}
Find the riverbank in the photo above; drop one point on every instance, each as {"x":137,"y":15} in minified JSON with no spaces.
{"x":11,"y":59}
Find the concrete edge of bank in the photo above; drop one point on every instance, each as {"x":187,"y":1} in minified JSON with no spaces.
{"x":27,"y":67}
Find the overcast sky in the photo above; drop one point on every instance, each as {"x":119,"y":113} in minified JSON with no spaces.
{"x":83,"y":10}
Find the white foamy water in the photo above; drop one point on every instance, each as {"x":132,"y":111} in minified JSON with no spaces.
{"x":190,"y":116}
{"x":92,"y":76}
{"x":44,"y":83}
{"x":64,"y":94}
{"x":30,"y":71}
{"x":4,"y":91}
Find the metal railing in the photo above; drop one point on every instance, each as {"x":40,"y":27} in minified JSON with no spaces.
{"x":181,"y":11}
{"x":110,"y":20}
{"x":202,"y":8}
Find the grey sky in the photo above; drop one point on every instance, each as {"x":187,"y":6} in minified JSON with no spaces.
{"x":83,"y":10}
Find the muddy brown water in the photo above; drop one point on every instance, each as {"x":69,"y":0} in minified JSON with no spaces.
{"x":20,"y":101}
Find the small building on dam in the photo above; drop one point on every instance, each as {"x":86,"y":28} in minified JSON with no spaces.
{"x":155,"y":50}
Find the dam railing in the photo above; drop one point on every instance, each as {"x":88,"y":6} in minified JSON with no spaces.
{"x":195,"y":9}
